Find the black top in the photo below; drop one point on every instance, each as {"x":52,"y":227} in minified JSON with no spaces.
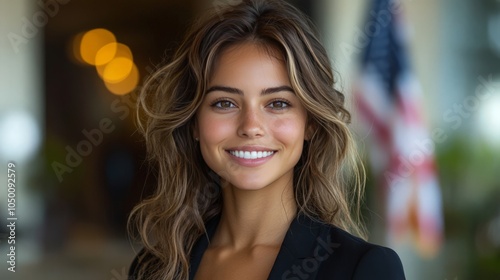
{"x":314,"y":250}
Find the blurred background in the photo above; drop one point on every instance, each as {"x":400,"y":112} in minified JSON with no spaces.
{"x":69,"y":74}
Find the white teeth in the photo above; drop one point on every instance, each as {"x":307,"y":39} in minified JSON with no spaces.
{"x":252,"y":154}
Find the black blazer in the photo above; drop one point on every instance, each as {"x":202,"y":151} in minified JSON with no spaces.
{"x":314,"y":250}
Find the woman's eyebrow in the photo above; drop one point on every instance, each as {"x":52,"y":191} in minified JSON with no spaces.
{"x":224,"y":89}
{"x":276,"y":89}
{"x":240,"y":92}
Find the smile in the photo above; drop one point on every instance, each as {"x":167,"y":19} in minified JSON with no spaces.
{"x":251,"y":154}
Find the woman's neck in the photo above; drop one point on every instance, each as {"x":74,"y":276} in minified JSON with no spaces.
{"x":255,"y":217}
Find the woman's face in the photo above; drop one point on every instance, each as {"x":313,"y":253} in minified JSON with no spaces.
{"x":251,"y":126}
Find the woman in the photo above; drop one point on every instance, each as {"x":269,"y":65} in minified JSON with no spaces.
{"x":257,"y":173}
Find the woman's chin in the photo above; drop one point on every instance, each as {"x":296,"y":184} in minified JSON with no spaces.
{"x":245,"y":185}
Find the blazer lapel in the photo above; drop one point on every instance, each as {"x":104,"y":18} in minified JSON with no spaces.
{"x":201,"y":246}
{"x":299,"y":256}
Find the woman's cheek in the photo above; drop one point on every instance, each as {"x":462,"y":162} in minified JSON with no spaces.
{"x":288,"y":129}
{"x":216,"y":128}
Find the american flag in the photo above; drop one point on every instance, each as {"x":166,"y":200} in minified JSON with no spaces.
{"x":401,"y":150}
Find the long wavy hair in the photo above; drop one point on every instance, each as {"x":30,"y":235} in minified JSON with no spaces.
{"x":328,"y":179}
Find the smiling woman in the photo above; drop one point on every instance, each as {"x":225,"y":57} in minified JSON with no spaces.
{"x":258,"y":173}
{"x":250,"y":109}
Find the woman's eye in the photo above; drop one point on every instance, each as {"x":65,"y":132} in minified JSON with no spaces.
{"x":279,"y":104}
{"x":223,"y":104}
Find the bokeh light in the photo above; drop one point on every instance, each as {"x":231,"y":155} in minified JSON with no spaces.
{"x":126,"y":85}
{"x":489,"y":119}
{"x":106,"y":54}
{"x":92,"y":41}
{"x":19,"y":135}
{"x":113,"y":61}
{"x":74,"y":48}
{"x":122,"y":51}
{"x":117,"y":69}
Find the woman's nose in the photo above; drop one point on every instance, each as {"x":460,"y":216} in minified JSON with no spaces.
{"x":251,"y":123}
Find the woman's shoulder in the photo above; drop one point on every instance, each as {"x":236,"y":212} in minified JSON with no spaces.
{"x":355,"y":258}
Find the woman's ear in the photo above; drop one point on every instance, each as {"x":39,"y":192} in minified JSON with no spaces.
{"x":310,"y":130}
